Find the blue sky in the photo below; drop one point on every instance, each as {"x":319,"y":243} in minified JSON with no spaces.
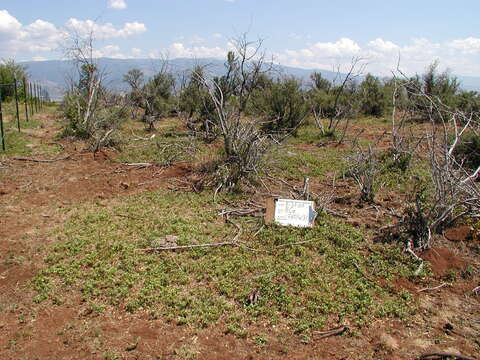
{"x":302,"y":33}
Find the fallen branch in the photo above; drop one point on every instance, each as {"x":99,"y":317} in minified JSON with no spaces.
{"x":42,"y":160}
{"x":442,"y":356}
{"x":165,"y":248}
{"x":138,"y":164}
{"x":476,"y":291}
{"x":240,"y":212}
{"x":333,"y":332}
{"x":138,"y":138}
{"x":410,"y":251}
{"x":433,"y":288}
{"x":259,"y":230}
{"x":239,"y":228}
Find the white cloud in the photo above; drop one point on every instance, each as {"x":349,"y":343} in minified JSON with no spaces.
{"x":39,"y":36}
{"x":383,"y":46}
{"x":341,"y":48}
{"x":383,"y":55}
{"x":217,"y":36}
{"x":117,"y":4}
{"x":8,"y":25}
{"x":104,"y":31}
{"x":110,"y":51}
{"x":321,"y":55}
{"x":14,"y":37}
{"x":42,"y":36}
{"x":179,"y":50}
{"x":469,"y":45}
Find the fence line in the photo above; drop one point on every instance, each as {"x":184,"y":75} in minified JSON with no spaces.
{"x":35,"y":97}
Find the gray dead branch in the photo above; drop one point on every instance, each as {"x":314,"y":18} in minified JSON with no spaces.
{"x":186,"y":247}
{"x":433,"y":288}
{"x":42,"y":160}
{"x":139,"y":165}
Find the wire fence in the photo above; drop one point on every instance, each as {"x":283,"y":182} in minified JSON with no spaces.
{"x":29,"y":98}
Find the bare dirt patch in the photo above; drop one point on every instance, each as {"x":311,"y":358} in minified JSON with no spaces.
{"x":460,"y":233}
{"x":443,"y":260}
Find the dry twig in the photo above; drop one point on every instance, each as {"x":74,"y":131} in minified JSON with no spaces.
{"x":433,"y":288}
{"x":333,"y":332}
{"x":42,"y":160}
{"x":148,"y":250}
{"x":140,"y":165}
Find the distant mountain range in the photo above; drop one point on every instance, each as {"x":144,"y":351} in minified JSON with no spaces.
{"x":53,"y":74}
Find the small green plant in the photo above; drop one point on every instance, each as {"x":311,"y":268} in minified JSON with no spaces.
{"x":451,"y":275}
{"x":261,"y":340}
{"x":397,"y":161}
{"x":467,"y":152}
{"x":98,"y":256}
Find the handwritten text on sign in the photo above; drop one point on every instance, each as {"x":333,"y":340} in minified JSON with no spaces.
{"x":295,"y":212}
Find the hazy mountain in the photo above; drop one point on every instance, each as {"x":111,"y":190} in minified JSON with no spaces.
{"x":53,"y":74}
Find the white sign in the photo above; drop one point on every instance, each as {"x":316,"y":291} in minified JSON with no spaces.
{"x":297,"y":213}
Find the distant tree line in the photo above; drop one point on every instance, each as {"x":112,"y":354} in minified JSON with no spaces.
{"x":284,"y":102}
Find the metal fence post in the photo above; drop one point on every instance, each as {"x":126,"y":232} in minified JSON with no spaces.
{"x":16,"y":103}
{"x":35,"y":98}
{"x":26,"y":97}
{"x":40,"y":96}
{"x":1,"y":124}
{"x":30,"y":87}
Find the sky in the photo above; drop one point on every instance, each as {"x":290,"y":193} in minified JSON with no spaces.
{"x":303,"y":33}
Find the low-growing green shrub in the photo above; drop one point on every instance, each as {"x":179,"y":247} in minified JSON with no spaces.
{"x":467,"y":151}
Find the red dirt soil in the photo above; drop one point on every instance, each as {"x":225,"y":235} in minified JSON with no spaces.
{"x":460,"y":233}
{"x":36,"y":197}
{"x":442,"y":260}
